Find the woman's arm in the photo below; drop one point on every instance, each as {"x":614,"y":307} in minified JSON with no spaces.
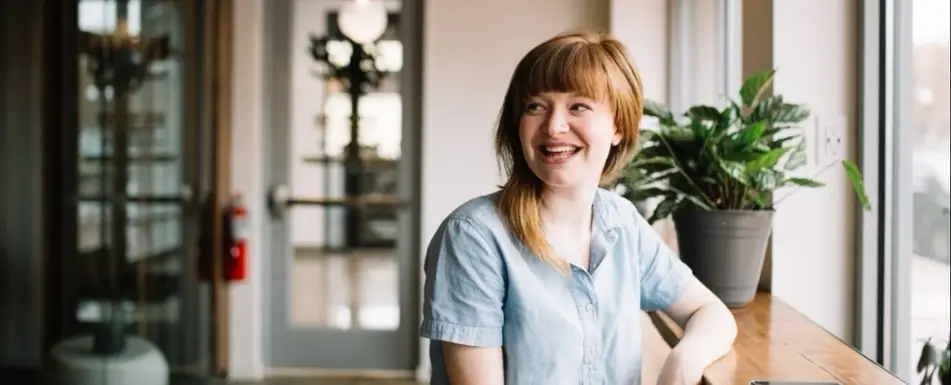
{"x":668,"y":284}
{"x":463,"y":301}
{"x":709,"y":330}
{"x":470,"y":365}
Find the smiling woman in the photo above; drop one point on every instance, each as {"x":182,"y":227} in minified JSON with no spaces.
{"x":545,"y":280}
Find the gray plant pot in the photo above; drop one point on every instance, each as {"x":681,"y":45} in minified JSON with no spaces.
{"x":725,"y":249}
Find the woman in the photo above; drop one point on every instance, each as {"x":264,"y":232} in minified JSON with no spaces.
{"x":543,"y":282}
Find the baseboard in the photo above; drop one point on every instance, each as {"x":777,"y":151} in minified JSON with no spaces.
{"x":423,"y":373}
{"x":246,"y":372}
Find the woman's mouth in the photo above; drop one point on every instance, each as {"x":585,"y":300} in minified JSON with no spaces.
{"x":558,"y":153}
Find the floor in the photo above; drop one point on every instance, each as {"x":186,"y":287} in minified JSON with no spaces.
{"x":11,"y":377}
{"x":338,"y":381}
{"x":358,"y":290}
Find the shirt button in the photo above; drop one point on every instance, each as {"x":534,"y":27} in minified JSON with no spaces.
{"x":589,"y":308}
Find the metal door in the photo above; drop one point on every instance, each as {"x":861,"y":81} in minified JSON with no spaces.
{"x":343,"y":233}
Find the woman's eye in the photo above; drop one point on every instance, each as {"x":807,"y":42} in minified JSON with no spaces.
{"x":580,"y":107}
{"x":533,"y":107}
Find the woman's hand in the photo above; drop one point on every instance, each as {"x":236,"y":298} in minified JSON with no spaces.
{"x":678,"y":369}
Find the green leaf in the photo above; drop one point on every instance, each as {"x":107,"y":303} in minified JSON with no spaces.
{"x":805,"y":182}
{"x":779,"y":142}
{"x":640,"y":195}
{"x":766,"y":179}
{"x":736,"y":170}
{"x":659,"y":111}
{"x":659,"y":176}
{"x":928,"y":357}
{"x":703,"y":113}
{"x":693,"y":199}
{"x":768,"y":159}
{"x":751,"y":133}
{"x":654,"y":160}
{"x":744,"y":156}
{"x":797,"y":158}
{"x":699,"y":128}
{"x":790,"y":113}
{"x":758,"y":202}
{"x":664,"y":209}
{"x":728,"y":117}
{"x":754,"y":87}
{"x":855,"y":177}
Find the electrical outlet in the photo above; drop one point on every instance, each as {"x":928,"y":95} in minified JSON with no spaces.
{"x":830,"y":132}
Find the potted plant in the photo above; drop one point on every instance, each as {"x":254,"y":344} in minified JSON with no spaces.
{"x":934,"y":362}
{"x":715,"y":171}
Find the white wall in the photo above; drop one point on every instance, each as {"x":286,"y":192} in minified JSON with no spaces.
{"x":246,"y":345}
{"x":814,"y":231}
{"x":643,"y":26}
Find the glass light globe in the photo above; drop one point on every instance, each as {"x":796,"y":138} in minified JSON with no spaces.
{"x":363,"y":21}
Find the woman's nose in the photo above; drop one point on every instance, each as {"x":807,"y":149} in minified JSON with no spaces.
{"x":557,"y":122}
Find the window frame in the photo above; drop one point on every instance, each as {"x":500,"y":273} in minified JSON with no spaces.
{"x":884,"y":235}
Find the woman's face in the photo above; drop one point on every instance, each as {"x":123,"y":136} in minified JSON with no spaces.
{"x":566,"y":138}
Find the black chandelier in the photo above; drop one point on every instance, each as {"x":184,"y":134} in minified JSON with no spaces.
{"x":353,"y":51}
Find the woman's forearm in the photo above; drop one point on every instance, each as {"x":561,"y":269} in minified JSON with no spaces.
{"x":468,"y":365}
{"x":708,"y":334}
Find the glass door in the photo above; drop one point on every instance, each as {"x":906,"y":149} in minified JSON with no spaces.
{"x":134,"y":284}
{"x":342,"y":265}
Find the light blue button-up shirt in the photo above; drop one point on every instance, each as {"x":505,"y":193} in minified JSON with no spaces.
{"x":484,"y":288}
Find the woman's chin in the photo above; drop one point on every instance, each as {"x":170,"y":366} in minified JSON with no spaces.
{"x":562,"y":182}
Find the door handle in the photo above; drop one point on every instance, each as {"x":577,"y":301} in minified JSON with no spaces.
{"x":280,"y":199}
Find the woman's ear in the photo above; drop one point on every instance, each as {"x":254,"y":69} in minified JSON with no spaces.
{"x":617,"y":138}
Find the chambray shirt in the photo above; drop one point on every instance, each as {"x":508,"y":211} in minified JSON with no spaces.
{"x":484,"y":288}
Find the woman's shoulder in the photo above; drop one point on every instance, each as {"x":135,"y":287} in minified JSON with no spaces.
{"x":616,"y":209}
{"x":473,"y":229}
{"x":479,"y":213}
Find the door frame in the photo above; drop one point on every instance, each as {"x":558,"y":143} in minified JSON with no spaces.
{"x":277,"y":37}
{"x":215,"y":96}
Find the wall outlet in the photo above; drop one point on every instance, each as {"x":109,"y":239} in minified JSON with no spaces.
{"x":830,"y":139}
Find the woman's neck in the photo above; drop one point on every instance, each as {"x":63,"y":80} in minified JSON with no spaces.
{"x":568,"y":209}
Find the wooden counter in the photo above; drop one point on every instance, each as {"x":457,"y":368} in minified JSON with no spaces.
{"x":776,"y":342}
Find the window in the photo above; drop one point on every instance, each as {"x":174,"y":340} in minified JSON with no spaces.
{"x":927,"y":125}
{"x":907,"y":136}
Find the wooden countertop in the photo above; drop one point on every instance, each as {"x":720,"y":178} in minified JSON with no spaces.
{"x":776,"y":342}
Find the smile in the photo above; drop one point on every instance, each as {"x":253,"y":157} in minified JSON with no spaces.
{"x":558,"y":154}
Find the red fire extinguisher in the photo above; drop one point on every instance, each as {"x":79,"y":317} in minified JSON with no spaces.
{"x":236,"y":251}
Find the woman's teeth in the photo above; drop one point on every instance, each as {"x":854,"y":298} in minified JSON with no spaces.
{"x":558,"y":153}
{"x":557,"y":149}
